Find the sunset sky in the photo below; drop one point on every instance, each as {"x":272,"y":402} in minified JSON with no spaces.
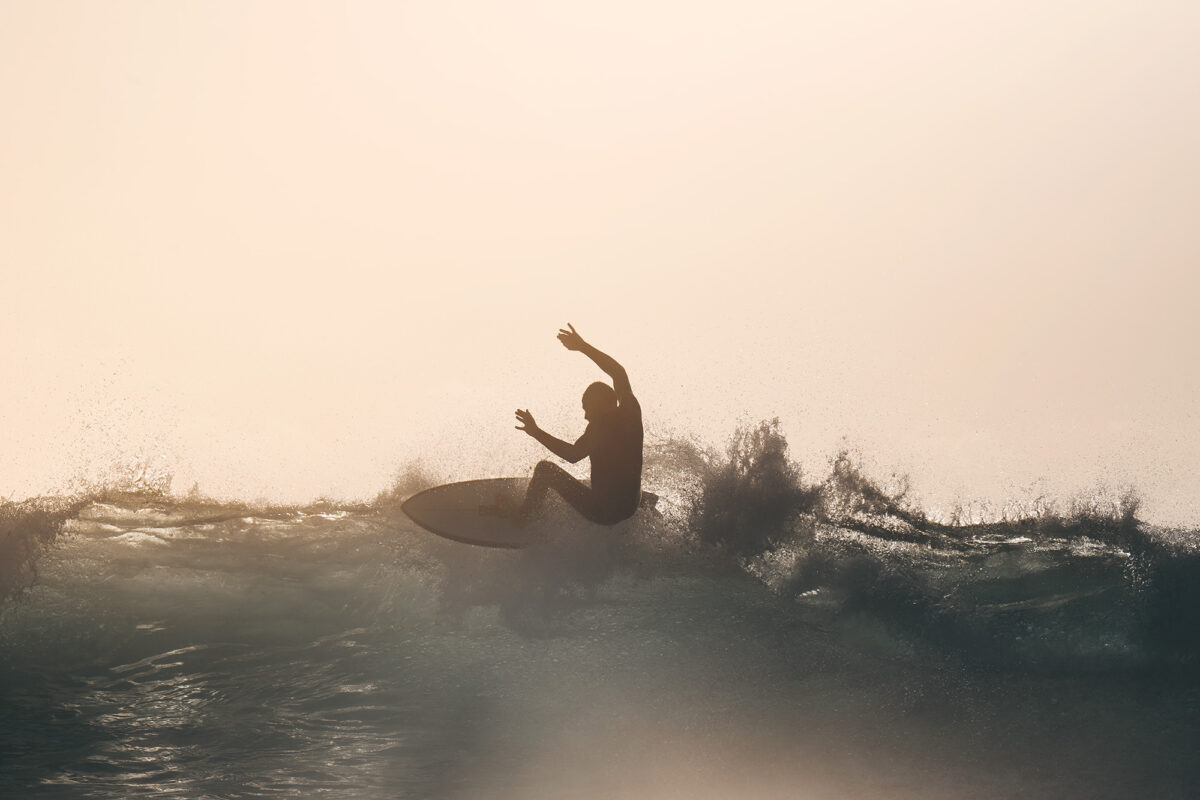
{"x":281,"y":248}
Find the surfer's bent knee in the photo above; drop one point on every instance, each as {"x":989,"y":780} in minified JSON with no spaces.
{"x":548,"y":468}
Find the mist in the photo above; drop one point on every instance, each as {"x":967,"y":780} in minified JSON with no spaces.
{"x":280,"y":250}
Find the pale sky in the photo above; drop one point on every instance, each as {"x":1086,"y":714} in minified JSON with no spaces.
{"x":283,"y":248}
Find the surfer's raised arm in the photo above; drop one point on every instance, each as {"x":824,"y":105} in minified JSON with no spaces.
{"x":564,"y":450}
{"x":573,"y":341}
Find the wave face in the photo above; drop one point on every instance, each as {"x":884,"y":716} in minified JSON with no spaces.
{"x":761,"y":638}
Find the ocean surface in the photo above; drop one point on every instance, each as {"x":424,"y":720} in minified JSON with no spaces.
{"x":176,"y":647}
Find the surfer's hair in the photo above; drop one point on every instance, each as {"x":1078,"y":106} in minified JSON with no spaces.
{"x":600,"y":393}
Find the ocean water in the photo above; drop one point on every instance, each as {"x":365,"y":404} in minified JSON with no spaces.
{"x":183,"y":648}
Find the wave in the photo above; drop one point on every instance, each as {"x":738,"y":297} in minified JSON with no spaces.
{"x":30,"y":527}
{"x":1083,"y":583}
{"x":786,"y":609}
{"x":1048,"y":584}
{"x":26,"y":529}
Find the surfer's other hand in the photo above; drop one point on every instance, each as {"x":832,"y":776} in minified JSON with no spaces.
{"x":526,"y":420}
{"x":570,"y":339}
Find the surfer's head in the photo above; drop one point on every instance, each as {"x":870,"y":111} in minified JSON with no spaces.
{"x":598,"y":399}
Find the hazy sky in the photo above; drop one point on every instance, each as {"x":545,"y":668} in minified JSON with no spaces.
{"x":281,"y":248}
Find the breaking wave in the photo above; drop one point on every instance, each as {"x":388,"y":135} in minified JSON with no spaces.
{"x":1043,"y":584}
{"x":764,"y":623}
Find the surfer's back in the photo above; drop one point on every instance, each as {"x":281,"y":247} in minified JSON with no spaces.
{"x":615,"y":447}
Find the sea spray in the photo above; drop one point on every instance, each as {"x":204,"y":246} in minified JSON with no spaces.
{"x":1048,"y":584}
{"x":27,"y":528}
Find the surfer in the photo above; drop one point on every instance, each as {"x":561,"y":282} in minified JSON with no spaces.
{"x":612,"y":440}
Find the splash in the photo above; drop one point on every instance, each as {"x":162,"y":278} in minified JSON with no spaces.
{"x":1047,"y":583}
{"x":26,"y":529}
{"x":413,"y":477}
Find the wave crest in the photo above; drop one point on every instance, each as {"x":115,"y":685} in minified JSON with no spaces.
{"x":27,"y":528}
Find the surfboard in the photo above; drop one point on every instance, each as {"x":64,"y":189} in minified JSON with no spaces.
{"x":452,"y":511}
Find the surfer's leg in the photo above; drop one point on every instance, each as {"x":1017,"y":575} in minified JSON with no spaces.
{"x":547,"y":477}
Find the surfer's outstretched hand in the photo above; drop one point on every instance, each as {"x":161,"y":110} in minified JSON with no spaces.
{"x":526,"y":420}
{"x":570,"y":339}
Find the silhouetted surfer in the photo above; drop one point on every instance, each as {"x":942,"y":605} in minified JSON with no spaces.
{"x":613,"y":441}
